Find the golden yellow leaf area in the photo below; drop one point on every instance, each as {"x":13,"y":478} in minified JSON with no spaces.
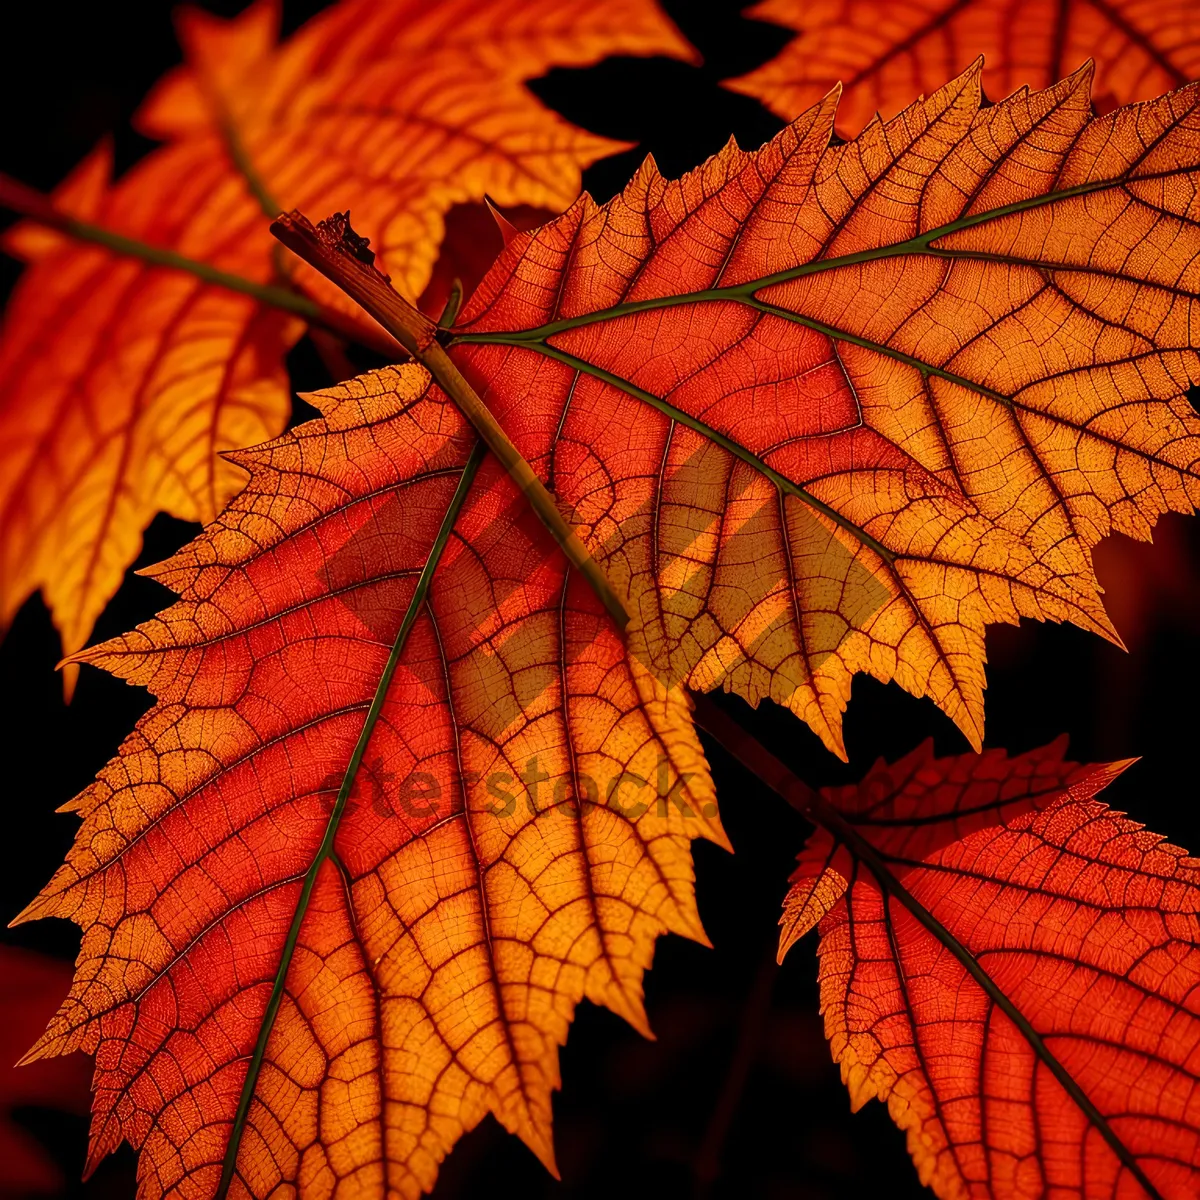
{"x":400,"y":110}
{"x":515,"y":838}
{"x":122,"y":382}
{"x":821,"y":409}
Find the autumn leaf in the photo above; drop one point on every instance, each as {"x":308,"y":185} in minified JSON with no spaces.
{"x":820,"y":409}
{"x":885,"y":53}
{"x":407,"y":796}
{"x":1015,"y":969}
{"x":402,"y":803}
{"x":31,"y":986}
{"x":122,"y":386}
{"x":124,"y":381}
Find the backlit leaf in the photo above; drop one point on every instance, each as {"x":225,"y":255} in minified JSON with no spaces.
{"x":825,"y":409}
{"x":1086,"y":923}
{"x":885,"y":52}
{"x":514,"y":840}
{"x":123,"y":382}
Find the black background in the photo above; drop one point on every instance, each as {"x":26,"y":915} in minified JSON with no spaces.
{"x":738,"y":1096}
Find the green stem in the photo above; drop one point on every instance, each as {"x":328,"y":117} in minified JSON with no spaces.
{"x":741,"y":292}
{"x":326,"y":850}
{"x":840,"y":335}
{"x":453,"y":304}
{"x":757,"y":759}
{"x":234,"y":146}
{"x":782,"y":482}
{"x":240,"y":156}
{"x":27,"y":202}
{"x":334,"y":251}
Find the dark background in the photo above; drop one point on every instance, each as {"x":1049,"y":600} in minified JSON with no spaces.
{"x":738,"y":1097}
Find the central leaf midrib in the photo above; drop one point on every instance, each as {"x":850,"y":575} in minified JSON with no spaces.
{"x":741,"y":292}
{"x":536,"y":339}
{"x":878,"y":864}
{"x":326,"y":851}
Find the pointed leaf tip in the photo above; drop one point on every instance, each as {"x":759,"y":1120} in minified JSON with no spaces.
{"x":507,"y":229}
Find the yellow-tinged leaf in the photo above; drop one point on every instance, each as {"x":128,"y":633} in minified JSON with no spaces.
{"x":121,"y":383}
{"x":822,"y":408}
{"x":510,"y":836}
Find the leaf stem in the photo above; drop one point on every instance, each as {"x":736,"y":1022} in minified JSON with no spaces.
{"x":340,"y":256}
{"x":920,"y":244}
{"x":234,"y":146}
{"x":757,"y":759}
{"x":26,"y":202}
{"x":241,"y":159}
{"x":453,"y":304}
{"x":782,"y":482}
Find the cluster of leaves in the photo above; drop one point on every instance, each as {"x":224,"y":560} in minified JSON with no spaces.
{"x":409,"y":792}
{"x":121,"y":407}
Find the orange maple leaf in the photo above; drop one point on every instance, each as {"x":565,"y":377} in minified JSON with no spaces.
{"x":816,"y":409}
{"x":1015,"y":969}
{"x":123,"y":381}
{"x":402,"y":803}
{"x":824,"y":409}
{"x":884,"y":53}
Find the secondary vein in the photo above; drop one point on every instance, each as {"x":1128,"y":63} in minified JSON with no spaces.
{"x":735,"y":448}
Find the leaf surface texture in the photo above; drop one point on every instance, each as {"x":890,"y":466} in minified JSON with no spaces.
{"x":514,"y":840}
{"x":1088,"y":923}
